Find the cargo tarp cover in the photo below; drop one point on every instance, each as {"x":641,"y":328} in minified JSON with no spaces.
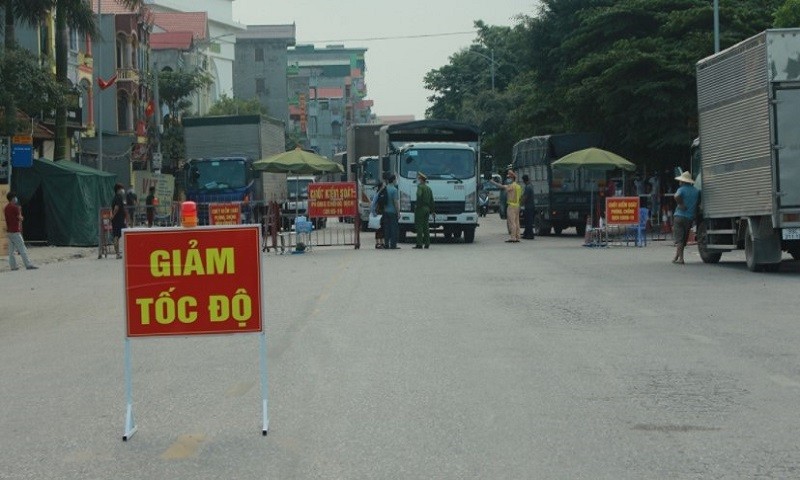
{"x":71,"y":196}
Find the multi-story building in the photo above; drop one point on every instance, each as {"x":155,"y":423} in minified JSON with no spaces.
{"x":219,"y":45}
{"x":121,"y":58}
{"x":327,"y":93}
{"x":260,"y":67}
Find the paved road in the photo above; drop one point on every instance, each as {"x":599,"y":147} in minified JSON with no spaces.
{"x":542,"y":359}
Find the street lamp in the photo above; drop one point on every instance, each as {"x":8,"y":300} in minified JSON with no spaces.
{"x":491,"y":61}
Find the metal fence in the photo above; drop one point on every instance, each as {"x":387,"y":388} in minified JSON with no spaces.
{"x":277,"y":235}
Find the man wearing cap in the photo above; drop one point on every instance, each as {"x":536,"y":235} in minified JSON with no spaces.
{"x":686,"y":199}
{"x":513,"y":195}
{"x":422,"y":209}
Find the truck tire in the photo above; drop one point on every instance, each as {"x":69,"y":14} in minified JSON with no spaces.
{"x":749,"y":252}
{"x":557,"y":229}
{"x":541,"y":227}
{"x":795,"y":253}
{"x":708,"y":256}
{"x":581,"y":230}
{"x":469,"y":234}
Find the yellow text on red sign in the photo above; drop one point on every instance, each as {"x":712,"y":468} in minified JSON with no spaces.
{"x":224,"y":214}
{"x":332,"y":199}
{"x":622,"y":210}
{"x":203,"y":280}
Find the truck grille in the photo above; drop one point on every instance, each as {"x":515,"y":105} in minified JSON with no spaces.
{"x":445,"y":208}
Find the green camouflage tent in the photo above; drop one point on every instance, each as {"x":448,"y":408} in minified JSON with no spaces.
{"x":61,"y":201}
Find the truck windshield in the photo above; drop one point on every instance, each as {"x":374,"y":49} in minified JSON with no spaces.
{"x":438,"y":164}
{"x":295,"y":187}
{"x":218,"y":174}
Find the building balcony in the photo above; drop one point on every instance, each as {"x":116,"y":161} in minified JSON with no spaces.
{"x":128,"y":75}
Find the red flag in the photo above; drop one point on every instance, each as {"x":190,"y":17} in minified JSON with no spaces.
{"x":105,"y":84}
{"x":150,"y":109}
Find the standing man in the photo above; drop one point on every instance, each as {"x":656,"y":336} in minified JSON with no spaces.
{"x":131,"y":200}
{"x":13,"y":214}
{"x":513,"y":194}
{"x":390,"y":212}
{"x":529,"y":206}
{"x":423,"y":209}
{"x":151,"y":201}
{"x":686,"y":198}
{"x":119,"y":217}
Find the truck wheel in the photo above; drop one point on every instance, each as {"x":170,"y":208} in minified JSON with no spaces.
{"x":581,"y":230}
{"x":749,"y":253}
{"x":795,"y":253}
{"x":558,"y":229}
{"x":469,"y":234}
{"x":541,"y":227}
{"x":708,"y":256}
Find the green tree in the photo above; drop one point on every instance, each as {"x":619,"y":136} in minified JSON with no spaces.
{"x":236,"y":106}
{"x":788,"y":14}
{"x":28,"y":12}
{"x":175,"y":88}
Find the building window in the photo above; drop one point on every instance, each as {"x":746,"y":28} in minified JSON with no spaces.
{"x":261,"y":87}
{"x":122,"y":112}
{"x":259,"y":54}
{"x":336,"y":129}
{"x":323,"y":105}
{"x":73,"y":39}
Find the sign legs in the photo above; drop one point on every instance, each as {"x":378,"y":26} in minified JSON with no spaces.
{"x":130,"y":422}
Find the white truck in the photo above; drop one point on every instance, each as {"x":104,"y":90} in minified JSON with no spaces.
{"x":448,"y":154}
{"x":749,"y":171}
{"x":369,"y":179}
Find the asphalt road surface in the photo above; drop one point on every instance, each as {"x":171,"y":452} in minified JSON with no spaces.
{"x":542,"y":359}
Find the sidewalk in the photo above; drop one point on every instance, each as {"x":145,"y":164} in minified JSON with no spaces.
{"x":41,"y":256}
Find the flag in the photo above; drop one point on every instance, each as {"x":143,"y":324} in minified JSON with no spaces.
{"x":105,"y":84}
{"x":150,"y":109}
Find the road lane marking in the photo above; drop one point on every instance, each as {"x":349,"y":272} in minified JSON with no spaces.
{"x":184,"y":447}
{"x":239,"y":389}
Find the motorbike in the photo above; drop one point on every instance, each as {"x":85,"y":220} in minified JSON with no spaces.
{"x":483,"y":204}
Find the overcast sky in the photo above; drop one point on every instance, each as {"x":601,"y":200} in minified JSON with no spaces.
{"x":395,"y":66}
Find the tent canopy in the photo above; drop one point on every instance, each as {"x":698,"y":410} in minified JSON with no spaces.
{"x":62,"y":200}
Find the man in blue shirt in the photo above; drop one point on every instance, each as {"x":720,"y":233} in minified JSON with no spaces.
{"x":390,"y":213}
{"x":686,"y":199}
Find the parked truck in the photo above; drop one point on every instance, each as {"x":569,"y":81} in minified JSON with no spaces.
{"x":749,"y":170}
{"x":563,"y":196}
{"x":221,"y":151}
{"x":447,"y":153}
{"x":362,"y":144}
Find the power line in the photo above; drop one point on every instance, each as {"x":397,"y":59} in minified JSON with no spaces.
{"x":371,"y":39}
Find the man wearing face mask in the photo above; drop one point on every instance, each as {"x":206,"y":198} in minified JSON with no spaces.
{"x":13,"y":214}
{"x":119,"y":217}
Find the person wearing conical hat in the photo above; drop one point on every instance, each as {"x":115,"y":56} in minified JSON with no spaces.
{"x":422,"y":210}
{"x":686,"y":198}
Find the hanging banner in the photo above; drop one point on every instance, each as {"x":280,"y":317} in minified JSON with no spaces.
{"x":332,"y":199}
{"x":204,"y":280}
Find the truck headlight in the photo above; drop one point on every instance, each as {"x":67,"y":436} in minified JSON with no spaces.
{"x":469,"y":202}
{"x":405,"y":202}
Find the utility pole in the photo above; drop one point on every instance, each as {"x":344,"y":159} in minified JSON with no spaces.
{"x":98,"y":103}
{"x":716,"y":26}
{"x":157,"y":157}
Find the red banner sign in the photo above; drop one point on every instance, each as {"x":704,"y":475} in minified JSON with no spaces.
{"x":622,"y":210}
{"x":224,"y":214}
{"x":204,"y":280}
{"x":333,"y":199}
